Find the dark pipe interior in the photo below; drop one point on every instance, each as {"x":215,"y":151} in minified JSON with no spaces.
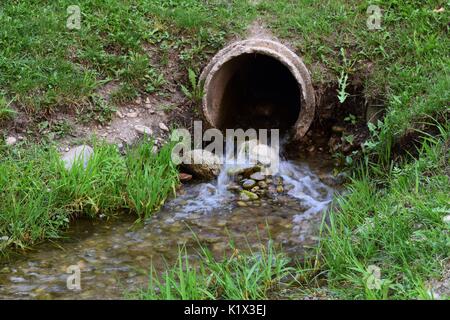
{"x":261,"y":93}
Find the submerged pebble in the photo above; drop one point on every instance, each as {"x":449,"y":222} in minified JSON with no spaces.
{"x":258,"y":176}
{"x":248,"y":183}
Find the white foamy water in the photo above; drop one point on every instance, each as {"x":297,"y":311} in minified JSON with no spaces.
{"x":313,"y":195}
{"x":308,"y":189}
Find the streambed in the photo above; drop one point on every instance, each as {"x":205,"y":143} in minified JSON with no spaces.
{"x":115,"y":255}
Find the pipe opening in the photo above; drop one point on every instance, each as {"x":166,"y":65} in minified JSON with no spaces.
{"x":260,"y":93}
{"x":259,"y":84}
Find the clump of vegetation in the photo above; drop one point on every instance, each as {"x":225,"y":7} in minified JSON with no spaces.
{"x":97,"y":109}
{"x":40,"y":197}
{"x":242,"y":276}
{"x":151,"y":177}
{"x":392,"y":222}
{"x":195,"y":92}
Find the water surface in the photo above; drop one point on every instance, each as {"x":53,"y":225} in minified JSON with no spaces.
{"x":115,"y":255}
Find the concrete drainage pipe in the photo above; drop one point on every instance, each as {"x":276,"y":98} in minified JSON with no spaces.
{"x":258,"y":83}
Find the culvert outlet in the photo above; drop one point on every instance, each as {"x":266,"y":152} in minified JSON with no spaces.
{"x":258,"y":83}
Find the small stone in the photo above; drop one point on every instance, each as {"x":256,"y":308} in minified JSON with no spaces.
{"x":120,"y":114}
{"x":143,"y":130}
{"x":163,"y":127}
{"x":10,"y":141}
{"x":337,"y":129}
{"x":5,"y":270}
{"x":446,"y":219}
{"x":311,"y":149}
{"x":81,"y":153}
{"x":242,"y":204}
{"x":4,"y":238}
{"x":234,"y":187}
{"x":289,"y":187}
{"x":184,"y":177}
{"x":132,"y":114}
{"x":249,"y":195}
{"x":245,"y":171}
{"x":280,"y":189}
{"x":262,"y":184}
{"x":244,"y":197}
{"x":248,"y":183}
{"x":202,"y":164}
{"x":138,"y":100}
{"x":211,"y":190}
{"x":255,"y":189}
{"x":258,"y":176}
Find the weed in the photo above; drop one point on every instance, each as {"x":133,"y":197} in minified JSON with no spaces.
{"x":6,"y":113}
{"x":98,"y":110}
{"x":398,"y":229}
{"x":195,"y":92}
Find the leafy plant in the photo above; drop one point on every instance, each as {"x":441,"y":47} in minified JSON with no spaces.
{"x":345,"y":68}
{"x":156,"y":81}
{"x":195,"y":91}
{"x":343,"y":83}
{"x":351,"y":118}
{"x":151,"y":177}
{"x":97,"y":110}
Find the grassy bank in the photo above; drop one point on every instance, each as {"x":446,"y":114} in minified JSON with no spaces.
{"x":394,"y":221}
{"x":40,"y":197}
{"x":47,"y":67}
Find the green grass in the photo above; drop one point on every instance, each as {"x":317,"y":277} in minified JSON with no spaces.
{"x":6,"y":113}
{"x":40,"y":197}
{"x":242,"y":276}
{"x":48,"y":68}
{"x":393,"y":221}
{"x":150,"y":178}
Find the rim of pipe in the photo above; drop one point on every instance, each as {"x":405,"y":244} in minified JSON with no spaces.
{"x":277,"y":51}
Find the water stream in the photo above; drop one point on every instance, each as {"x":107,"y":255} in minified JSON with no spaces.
{"x":115,"y":255}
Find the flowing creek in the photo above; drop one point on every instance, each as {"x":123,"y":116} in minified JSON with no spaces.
{"x":115,"y":255}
